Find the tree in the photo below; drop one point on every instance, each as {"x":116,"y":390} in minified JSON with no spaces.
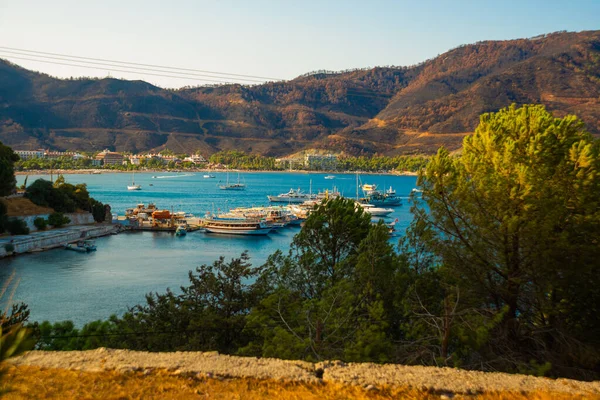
{"x":8,"y":181}
{"x":516,"y":225}
{"x":209,"y":314}
{"x":58,"y":219}
{"x":333,"y":294}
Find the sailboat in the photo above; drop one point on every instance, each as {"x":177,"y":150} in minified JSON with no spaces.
{"x":133,"y":186}
{"x":233,"y":186}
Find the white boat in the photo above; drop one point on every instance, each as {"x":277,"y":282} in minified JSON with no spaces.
{"x":330,"y":177}
{"x":293,"y":196}
{"x":236,"y":226}
{"x":207,"y":176}
{"x":233,"y":186}
{"x":133,"y":186}
{"x":376,"y":211}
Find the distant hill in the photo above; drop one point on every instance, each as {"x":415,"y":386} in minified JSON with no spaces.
{"x":385,"y":110}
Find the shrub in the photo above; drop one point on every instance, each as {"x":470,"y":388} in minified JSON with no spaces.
{"x":58,"y":219}
{"x":17,"y":227}
{"x":40,"y":223}
{"x":9,"y":247}
{"x":98,"y":210}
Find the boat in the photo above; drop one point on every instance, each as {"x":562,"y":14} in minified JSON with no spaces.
{"x":133,"y":186}
{"x":233,"y":186}
{"x":376,"y":211}
{"x":330,"y":177}
{"x":181,"y":230}
{"x":82,"y":246}
{"x":293,"y":196}
{"x":235,"y":226}
{"x":368,"y":188}
{"x":208,"y":176}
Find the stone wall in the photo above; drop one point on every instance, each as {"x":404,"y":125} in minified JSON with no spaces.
{"x":54,"y":238}
{"x":76,"y":219}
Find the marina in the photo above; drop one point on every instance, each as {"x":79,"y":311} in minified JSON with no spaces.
{"x":85,"y":287}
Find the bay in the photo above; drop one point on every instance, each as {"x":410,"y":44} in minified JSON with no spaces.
{"x":61,"y":285}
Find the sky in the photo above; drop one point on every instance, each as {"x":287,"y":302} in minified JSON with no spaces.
{"x":277,"y":39}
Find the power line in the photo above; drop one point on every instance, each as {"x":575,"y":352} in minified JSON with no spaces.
{"x":120,"y":70}
{"x":133,"y":68}
{"x":143,"y":65}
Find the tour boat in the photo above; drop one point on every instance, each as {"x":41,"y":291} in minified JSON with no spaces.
{"x":236,"y":226}
{"x":330,"y":177}
{"x":133,"y":186}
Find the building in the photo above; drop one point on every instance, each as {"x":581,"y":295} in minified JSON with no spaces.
{"x":327,"y":162}
{"x":196,"y":159}
{"x":108,"y":157}
{"x":30,"y":154}
{"x":54,"y":155}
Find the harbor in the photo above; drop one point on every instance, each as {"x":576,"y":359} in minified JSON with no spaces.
{"x":133,"y":263}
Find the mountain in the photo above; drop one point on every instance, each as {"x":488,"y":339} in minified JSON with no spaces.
{"x":391,"y":110}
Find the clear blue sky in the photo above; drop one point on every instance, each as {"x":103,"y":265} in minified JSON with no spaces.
{"x":278,"y":38}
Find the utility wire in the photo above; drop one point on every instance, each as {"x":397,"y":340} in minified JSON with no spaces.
{"x":121,"y":70}
{"x":143,"y":65}
{"x":133,"y":68}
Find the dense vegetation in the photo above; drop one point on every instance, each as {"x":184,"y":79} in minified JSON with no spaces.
{"x":8,"y":184}
{"x":64,"y":197}
{"x":498,"y":271}
{"x":241,"y":160}
{"x":383,"y":163}
{"x":383,"y":110}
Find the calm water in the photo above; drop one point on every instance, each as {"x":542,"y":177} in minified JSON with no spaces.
{"x":59,"y":285}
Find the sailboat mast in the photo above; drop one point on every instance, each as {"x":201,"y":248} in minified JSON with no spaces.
{"x":357,"y":186}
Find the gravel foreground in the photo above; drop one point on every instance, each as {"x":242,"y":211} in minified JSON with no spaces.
{"x":212,"y":364}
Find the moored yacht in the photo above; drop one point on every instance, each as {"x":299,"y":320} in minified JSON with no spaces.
{"x":293,"y":196}
{"x":236,"y":226}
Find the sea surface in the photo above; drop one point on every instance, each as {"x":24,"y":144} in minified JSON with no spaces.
{"x":63,"y":285}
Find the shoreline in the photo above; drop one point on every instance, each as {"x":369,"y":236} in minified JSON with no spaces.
{"x":113,"y":171}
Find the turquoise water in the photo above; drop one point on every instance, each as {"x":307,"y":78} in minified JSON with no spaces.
{"x":59,"y":285}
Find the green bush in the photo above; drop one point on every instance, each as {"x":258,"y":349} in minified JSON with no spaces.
{"x":17,"y":227}
{"x":40,"y":223}
{"x":98,"y":210}
{"x":58,"y":219}
{"x":9,"y":247}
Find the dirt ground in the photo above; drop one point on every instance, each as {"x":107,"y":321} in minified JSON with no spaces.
{"x":105,"y":373}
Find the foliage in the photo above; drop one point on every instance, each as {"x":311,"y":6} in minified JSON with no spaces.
{"x":240,"y":160}
{"x":515,"y":222}
{"x":7,"y":173}
{"x":64,"y":197}
{"x":40,"y":223}
{"x":58,"y":219}
{"x":14,"y":337}
{"x":9,"y":247}
{"x":383,"y":163}
{"x":16,"y":226}
{"x":333,"y":294}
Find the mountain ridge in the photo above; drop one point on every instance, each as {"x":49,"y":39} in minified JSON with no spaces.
{"x":385,"y":110}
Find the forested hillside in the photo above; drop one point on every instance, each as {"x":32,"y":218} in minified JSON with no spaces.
{"x":391,"y":110}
